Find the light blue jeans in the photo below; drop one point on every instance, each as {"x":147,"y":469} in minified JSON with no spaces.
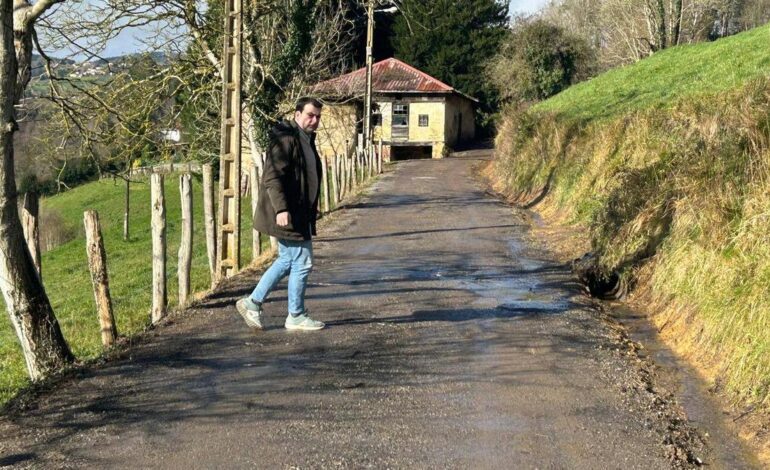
{"x":295,"y":258}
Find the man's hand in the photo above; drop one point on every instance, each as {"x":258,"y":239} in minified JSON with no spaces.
{"x":282,"y":219}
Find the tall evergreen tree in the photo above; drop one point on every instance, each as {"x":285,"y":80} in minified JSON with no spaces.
{"x":452,"y":40}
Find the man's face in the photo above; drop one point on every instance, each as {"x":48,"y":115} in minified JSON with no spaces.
{"x":308,"y":118}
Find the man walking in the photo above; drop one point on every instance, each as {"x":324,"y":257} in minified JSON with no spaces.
{"x":287,"y":209}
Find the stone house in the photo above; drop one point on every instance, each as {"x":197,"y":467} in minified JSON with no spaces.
{"x":413,"y":114}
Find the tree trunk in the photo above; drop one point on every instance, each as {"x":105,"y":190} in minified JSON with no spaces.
{"x":660,"y":13}
{"x":30,"y":224}
{"x":23,"y":50}
{"x":42,"y":342}
{"x":675,"y":22}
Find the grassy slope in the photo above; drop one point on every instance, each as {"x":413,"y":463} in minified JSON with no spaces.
{"x":670,"y":75}
{"x":666,"y":163}
{"x":65,"y":269}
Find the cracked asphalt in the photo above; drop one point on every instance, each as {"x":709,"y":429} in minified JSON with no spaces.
{"x":452,"y":342}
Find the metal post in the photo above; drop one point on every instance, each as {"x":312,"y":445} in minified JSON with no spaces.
{"x":228,"y":241}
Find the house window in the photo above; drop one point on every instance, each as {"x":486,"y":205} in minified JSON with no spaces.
{"x":422,"y":120}
{"x":401,"y":115}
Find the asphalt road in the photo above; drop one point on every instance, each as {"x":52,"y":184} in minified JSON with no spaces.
{"x":451,"y":343}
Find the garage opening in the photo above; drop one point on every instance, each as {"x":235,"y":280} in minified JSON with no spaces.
{"x":411,"y":152}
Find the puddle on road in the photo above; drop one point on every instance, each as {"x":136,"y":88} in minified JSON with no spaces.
{"x":521,"y":288}
{"x":691,"y":391}
{"x":515,"y":293}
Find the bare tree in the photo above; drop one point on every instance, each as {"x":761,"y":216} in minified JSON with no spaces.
{"x":291,"y":44}
{"x":625,"y":31}
{"x":288,"y":43}
{"x":755,"y":13}
{"x":42,"y":342}
{"x":655,"y":16}
{"x":675,"y":30}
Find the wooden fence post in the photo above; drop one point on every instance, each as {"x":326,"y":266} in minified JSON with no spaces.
{"x":97,"y":263}
{"x":371,"y":160}
{"x":348,"y":173}
{"x":341,"y":175}
{"x":361,"y":166}
{"x":364,"y":164}
{"x":349,"y":177}
{"x":209,"y":219}
{"x":256,"y":246}
{"x":379,"y":156}
{"x":185,"y":245}
{"x":31,"y":228}
{"x":325,"y":182}
{"x":127,"y":209}
{"x":335,"y":190}
{"x":158,"y":201}
{"x":360,"y":163}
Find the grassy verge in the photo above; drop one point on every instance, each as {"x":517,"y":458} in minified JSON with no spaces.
{"x":667,"y":165}
{"x":65,"y":268}
{"x":67,"y":280}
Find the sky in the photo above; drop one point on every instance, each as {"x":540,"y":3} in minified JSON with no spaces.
{"x":130,"y":41}
{"x":526,"y":6}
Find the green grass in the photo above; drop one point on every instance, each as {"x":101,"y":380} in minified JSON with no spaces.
{"x":664,"y":165}
{"x":675,"y":73}
{"x":67,"y":280}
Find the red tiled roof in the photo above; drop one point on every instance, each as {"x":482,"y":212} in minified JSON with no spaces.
{"x":389,"y":75}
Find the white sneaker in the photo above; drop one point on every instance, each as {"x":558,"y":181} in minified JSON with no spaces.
{"x":250,"y":311}
{"x":303,"y":322}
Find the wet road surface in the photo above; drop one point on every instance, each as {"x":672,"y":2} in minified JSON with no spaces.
{"x":451,"y":343}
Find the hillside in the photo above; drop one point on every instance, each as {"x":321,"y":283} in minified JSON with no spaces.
{"x":665,"y":78}
{"x":665,"y":165}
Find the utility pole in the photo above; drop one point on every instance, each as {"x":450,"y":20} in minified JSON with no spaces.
{"x":368,"y":95}
{"x":229,"y":240}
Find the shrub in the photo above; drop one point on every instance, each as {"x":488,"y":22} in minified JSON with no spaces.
{"x":73,"y":172}
{"x":538,"y":60}
{"x":54,"y":230}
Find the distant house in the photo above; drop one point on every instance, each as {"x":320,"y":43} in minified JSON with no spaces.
{"x":414,"y":114}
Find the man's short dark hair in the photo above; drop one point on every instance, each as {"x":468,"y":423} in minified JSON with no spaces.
{"x":307,"y":100}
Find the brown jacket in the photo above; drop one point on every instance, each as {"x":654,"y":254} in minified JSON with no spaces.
{"x":284,"y":187}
